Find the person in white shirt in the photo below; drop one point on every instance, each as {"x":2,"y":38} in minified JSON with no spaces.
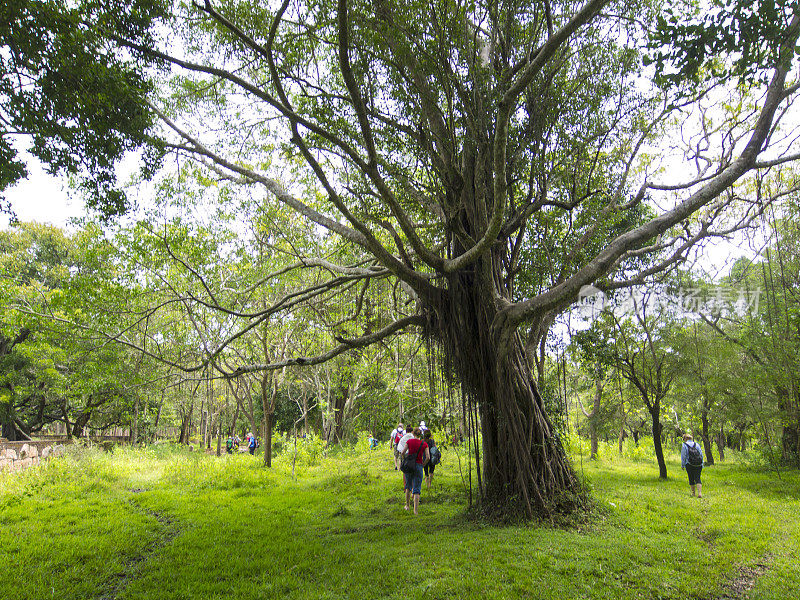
{"x":394,"y":438}
{"x":401,"y":445}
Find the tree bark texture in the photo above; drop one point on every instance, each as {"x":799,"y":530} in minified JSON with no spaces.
{"x":524,"y":464}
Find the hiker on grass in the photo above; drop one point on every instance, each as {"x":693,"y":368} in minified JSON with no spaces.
{"x":692,"y":461}
{"x":401,"y":445}
{"x":252,"y":444}
{"x":394,"y":439}
{"x":415,"y":446}
{"x":433,"y":449}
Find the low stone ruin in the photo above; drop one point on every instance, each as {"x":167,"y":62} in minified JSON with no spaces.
{"x":16,"y":456}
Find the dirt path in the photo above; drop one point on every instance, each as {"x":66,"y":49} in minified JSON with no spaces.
{"x":739,"y":587}
{"x":130,"y":570}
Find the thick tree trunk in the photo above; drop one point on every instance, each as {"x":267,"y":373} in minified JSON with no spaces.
{"x":80,"y":423}
{"x":183,"y":438}
{"x":525,"y":468}
{"x":7,"y":429}
{"x":336,"y":421}
{"x":522,"y":457}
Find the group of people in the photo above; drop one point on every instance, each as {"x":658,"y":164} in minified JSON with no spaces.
{"x":232,"y":445}
{"x":417,"y":444}
{"x":416,"y":455}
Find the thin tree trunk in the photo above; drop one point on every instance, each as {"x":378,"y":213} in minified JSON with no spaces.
{"x":158,"y":416}
{"x":267,"y":437}
{"x":706,"y":432}
{"x":219,"y":437}
{"x":655,"y":414}
{"x":135,"y":426}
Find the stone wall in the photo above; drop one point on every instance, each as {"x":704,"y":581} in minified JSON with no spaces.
{"x":16,"y":456}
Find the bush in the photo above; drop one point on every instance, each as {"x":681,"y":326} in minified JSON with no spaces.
{"x":578,"y":446}
{"x":761,"y":457}
{"x":310,"y":449}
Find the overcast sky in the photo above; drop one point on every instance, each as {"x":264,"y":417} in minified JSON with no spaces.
{"x":42,"y":198}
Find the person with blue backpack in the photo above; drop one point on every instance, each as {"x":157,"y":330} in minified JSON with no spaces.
{"x":436,"y":456}
{"x":252,"y":444}
{"x":692,"y":460}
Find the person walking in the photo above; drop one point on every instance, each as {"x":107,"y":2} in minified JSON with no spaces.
{"x":413,"y":482}
{"x":692,"y":461}
{"x":394,"y":439}
{"x":429,"y":467}
{"x":401,"y":445}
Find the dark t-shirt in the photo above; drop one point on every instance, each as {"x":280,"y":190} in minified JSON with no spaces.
{"x":418,"y":446}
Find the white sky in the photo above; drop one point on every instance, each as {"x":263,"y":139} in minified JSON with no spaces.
{"x":42,"y":198}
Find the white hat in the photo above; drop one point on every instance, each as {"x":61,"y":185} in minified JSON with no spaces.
{"x":422,"y":424}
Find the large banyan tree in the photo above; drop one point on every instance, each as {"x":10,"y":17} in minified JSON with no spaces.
{"x":492,"y":158}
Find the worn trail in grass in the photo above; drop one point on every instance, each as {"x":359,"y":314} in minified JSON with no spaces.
{"x":165,"y":524}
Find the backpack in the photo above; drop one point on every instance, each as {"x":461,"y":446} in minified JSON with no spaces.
{"x":436,"y":456}
{"x":693,"y":455}
{"x":397,"y":436}
{"x":253,"y":442}
{"x":409,"y":464}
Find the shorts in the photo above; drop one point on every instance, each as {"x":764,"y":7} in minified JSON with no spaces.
{"x":414,"y":482}
{"x":693,"y":471}
{"x":429,"y":468}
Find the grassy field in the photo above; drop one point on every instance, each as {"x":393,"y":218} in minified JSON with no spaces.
{"x":163,"y":523}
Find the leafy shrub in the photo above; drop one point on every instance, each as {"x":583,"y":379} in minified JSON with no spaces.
{"x":761,"y":457}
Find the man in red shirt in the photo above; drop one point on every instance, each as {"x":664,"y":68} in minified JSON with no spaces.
{"x":413,"y":483}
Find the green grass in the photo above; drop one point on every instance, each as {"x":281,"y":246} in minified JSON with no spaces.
{"x":163,"y":523}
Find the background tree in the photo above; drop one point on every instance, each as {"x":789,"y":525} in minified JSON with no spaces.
{"x":54,"y":366}
{"x":647,"y":355}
